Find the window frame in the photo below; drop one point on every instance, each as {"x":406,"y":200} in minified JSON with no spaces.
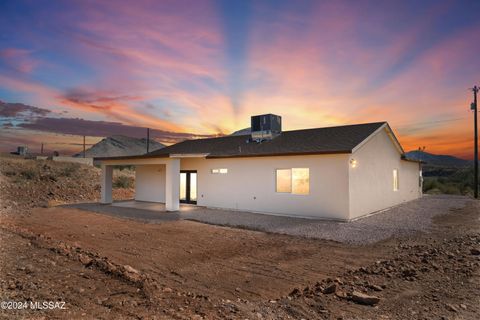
{"x":292,"y":181}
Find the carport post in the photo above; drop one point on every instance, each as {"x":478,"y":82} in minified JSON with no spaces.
{"x":172,"y":187}
{"x":106,"y":184}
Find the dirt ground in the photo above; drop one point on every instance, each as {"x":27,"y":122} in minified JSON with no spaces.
{"x":104,"y":267}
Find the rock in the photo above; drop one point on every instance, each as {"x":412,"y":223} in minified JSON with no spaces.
{"x":409,"y":272}
{"x":475,"y":251}
{"x":12,"y":285}
{"x":365,"y":299}
{"x":167,"y":290}
{"x":85,"y":260}
{"x":376,"y":288}
{"x":330,"y":289}
{"x":341,"y":294}
{"x":295,"y":292}
{"x":130,"y":269}
{"x":463,"y":306}
{"x":451,"y":307}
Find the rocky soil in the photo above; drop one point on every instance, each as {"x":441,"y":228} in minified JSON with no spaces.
{"x":26,"y":184}
{"x":438,"y":280}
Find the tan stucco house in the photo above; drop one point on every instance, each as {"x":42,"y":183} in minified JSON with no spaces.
{"x":342,"y":172}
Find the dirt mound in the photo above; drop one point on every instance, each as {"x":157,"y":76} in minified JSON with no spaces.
{"x":25,"y":184}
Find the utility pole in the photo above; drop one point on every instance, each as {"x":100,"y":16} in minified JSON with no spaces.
{"x":148,"y":139}
{"x":41,"y":149}
{"x":474,"y":107}
{"x":84,"y":146}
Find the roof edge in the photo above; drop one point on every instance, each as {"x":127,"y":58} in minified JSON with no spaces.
{"x":142,"y":156}
{"x":281,"y":154}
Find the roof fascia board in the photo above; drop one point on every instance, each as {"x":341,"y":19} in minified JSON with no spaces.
{"x":138,"y":161}
{"x":189,"y":155}
{"x":281,"y":154}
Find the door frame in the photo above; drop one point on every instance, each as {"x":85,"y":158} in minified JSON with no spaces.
{"x":188,"y":186}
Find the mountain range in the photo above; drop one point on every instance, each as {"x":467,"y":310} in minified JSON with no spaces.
{"x":438,"y":160}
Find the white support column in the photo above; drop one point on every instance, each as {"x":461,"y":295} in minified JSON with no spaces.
{"x":106,"y":184}
{"x":172,"y":187}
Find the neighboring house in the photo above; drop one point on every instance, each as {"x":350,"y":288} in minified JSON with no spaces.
{"x":342,"y":172}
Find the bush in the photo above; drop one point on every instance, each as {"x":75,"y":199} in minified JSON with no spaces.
{"x":451,"y":189}
{"x":124,"y":182}
{"x":69,"y":169}
{"x":28,"y":173}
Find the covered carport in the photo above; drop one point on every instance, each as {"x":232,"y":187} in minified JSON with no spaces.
{"x":160,"y":179}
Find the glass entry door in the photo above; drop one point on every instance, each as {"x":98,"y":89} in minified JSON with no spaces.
{"x":188,"y":187}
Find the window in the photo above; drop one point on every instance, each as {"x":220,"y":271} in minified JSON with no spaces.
{"x":221,"y":171}
{"x":395,"y":180}
{"x":300,"y":180}
{"x":284,"y":180}
{"x":295,"y":181}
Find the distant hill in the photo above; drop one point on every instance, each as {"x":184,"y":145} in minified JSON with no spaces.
{"x":437,"y":159}
{"x":118,"y":145}
{"x":242,"y":132}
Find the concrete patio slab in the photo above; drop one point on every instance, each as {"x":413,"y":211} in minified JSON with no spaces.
{"x":401,"y":220}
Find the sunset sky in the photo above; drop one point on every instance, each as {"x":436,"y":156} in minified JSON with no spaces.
{"x":198,"y":68}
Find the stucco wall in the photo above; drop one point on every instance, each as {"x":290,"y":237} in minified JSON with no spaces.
{"x":150,"y":183}
{"x":250,"y":185}
{"x":371,"y":181}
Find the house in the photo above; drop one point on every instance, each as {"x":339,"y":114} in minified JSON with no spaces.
{"x":342,"y":172}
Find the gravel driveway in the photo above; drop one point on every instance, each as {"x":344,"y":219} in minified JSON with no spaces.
{"x":401,"y":220}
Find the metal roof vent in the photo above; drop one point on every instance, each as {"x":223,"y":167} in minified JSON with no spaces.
{"x":265,"y":127}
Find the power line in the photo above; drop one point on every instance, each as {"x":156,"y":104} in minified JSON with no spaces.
{"x":430,"y":122}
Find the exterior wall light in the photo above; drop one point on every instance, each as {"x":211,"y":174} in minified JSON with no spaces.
{"x":353,"y":163}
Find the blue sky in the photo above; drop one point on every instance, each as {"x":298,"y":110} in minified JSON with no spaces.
{"x":203,"y":67}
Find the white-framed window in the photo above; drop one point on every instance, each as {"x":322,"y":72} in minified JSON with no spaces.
{"x":294,"y":181}
{"x":220,"y":171}
{"x":395,"y":180}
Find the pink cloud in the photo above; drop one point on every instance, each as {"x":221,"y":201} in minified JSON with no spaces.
{"x":20,"y":60}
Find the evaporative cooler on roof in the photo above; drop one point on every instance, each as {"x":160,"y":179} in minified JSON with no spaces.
{"x":266,"y":126}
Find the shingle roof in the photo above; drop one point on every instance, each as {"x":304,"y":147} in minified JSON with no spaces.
{"x":342,"y":139}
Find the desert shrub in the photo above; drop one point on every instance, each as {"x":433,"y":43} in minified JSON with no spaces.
{"x":124,"y":182}
{"x":69,"y":169}
{"x":28,"y":173}
{"x":434,"y":191}
{"x":430,"y":183}
{"x":450,"y":189}
{"x":9,"y":173}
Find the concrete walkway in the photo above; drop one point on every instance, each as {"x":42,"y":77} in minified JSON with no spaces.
{"x":398,"y":221}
